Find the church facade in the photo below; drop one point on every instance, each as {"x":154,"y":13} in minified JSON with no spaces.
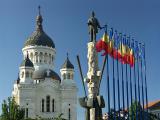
{"x":39,"y":89}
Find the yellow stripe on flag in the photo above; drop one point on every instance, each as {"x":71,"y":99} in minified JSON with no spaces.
{"x":105,"y":37}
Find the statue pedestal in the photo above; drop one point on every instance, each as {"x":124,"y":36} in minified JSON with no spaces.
{"x":93,"y":107}
{"x":93,"y":74}
{"x":93,"y":103}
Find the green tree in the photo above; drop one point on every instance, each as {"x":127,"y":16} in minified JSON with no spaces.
{"x":11,"y":111}
{"x":59,"y":117}
{"x":136,"y":110}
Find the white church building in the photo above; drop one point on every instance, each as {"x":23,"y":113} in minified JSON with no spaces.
{"x":39,"y":89}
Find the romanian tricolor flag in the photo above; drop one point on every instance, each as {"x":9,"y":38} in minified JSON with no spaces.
{"x":127,"y":56}
{"x":123,"y":53}
{"x":104,"y":44}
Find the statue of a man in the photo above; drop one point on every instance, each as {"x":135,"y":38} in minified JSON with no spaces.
{"x":93,"y":25}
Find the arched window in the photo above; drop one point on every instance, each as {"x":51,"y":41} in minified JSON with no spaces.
{"x":49,"y":58}
{"x":36,"y":57}
{"x":52,"y":58}
{"x":53,"y":105}
{"x":64,"y":76}
{"x":42,"y":105}
{"x":45,"y":57}
{"x":31,"y":57}
{"x":40,"y":57}
{"x":71,"y":76}
{"x":27,"y":74}
{"x":22,"y":75}
{"x":31,"y":74}
{"x":48,"y":103}
{"x":68,"y":76}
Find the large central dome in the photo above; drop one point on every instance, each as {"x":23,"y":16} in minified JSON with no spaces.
{"x":39,"y":37}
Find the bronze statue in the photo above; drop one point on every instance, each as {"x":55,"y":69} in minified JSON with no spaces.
{"x":93,"y":25}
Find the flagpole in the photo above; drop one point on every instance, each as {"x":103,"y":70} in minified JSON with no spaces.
{"x":139,"y":98}
{"x":123,"y":101}
{"x":114,"y":101}
{"x":130,"y":77}
{"x":122,"y":77}
{"x":127,"y":85}
{"x":145,"y":79}
{"x":127,"y":90}
{"x":142,"y":80}
{"x":108,"y":88}
{"x":108,"y":82}
{"x":135,"y":78}
{"x":118,"y":90}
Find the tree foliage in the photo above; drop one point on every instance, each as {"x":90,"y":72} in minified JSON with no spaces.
{"x":136,"y":111}
{"x":11,"y":111}
{"x":59,"y":117}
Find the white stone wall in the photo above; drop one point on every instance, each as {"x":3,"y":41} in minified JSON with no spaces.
{"x":29,"y":94}
{"x":48,"y":88}
{"x":69,"y":99}
{"x":26,"y":98}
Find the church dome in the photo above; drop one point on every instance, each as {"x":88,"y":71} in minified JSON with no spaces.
{"x":42,"y":74}
{"x":39,"y":37}
{"x":67,"y":64}
{"x":27,"y":62}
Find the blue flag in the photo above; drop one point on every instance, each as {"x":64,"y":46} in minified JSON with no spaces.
{"x":142,"y":51}
{"x":120,"y":38}
{"x":116,"y":40}
{"x":128,"y":42}
{"x":124,"y":41}
{"x":136,"y":49}
{"x":111,"y":34}
{"x":132,"y":44}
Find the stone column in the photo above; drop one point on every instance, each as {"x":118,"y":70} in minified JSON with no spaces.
{"x":94,"y":102}
{"x":93,"y":77}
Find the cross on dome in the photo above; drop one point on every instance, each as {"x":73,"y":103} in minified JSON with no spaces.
{"x":39,"y":20}
{"x":39,"y":10}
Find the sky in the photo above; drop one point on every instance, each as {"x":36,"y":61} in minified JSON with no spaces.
{"x":65,"y":21}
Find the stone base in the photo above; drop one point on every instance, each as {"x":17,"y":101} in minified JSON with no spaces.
{"x":93,"y":107}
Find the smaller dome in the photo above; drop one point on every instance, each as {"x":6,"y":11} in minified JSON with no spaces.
{"x":42,"y":74}
{"x":27,"y":62}
{"x":67,"y":64}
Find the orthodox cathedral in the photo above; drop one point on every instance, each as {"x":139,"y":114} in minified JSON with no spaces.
{"x":39,"y":89}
